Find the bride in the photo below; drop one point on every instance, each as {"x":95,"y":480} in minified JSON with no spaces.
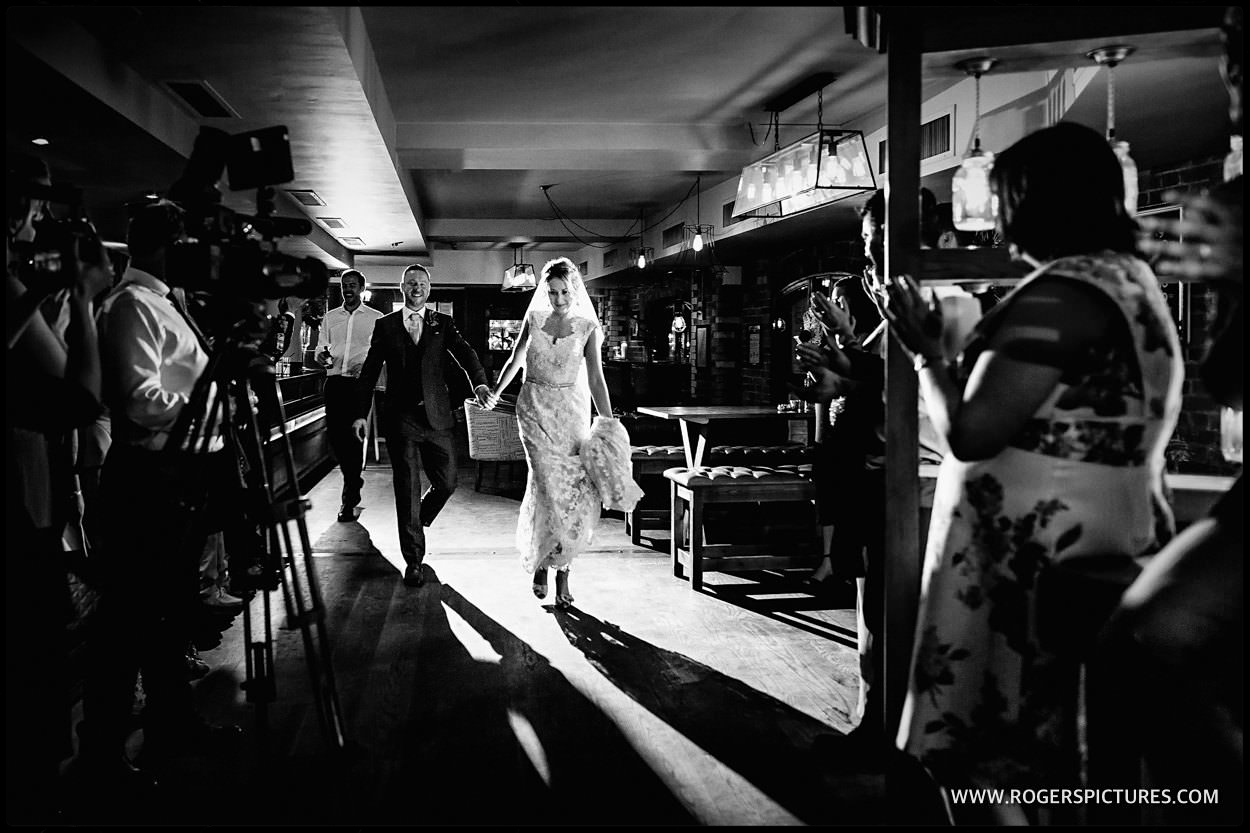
{"x":559,"y":347}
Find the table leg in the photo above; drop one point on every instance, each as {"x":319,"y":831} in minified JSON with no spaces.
{"x":694,"y":441}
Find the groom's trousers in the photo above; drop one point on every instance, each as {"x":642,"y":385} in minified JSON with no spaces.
{"x":413,"y":446}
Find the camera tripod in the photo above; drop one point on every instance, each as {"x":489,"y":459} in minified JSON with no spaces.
{"x":283,"y":559}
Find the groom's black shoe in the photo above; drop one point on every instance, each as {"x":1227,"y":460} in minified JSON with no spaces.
{"x":413,"y":577}
{"x":347,"y":514}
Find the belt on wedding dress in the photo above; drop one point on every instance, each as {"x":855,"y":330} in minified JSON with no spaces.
{"x":543,"y":384}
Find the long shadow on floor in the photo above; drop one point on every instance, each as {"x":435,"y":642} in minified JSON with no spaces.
{"x":452,"y":720}
{"x":784,"y":598}
{"x":758,"y":736}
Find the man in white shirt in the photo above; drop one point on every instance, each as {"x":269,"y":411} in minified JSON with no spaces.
{"x":150,"y":500}
{"x":347,"y":331}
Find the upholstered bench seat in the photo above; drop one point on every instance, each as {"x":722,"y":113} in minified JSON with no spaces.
{"x":701,"y":476}
{"x":650,"y":462}
{"x":693,"y":490}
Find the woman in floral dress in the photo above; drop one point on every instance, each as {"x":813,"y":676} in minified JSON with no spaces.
{"x":1057,"y":414}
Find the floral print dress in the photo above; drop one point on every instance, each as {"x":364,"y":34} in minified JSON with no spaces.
{"x":1083,"y":478}
{"x":561,"y":505}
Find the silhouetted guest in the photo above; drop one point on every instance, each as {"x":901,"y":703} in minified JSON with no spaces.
{"x":52,"y":387}
{"x":1183,"y":620}
{"x":1056,"y":414}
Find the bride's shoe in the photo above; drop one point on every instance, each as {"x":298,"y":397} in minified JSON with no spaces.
{"x":540,"y":587}
{"x":563,"y":597}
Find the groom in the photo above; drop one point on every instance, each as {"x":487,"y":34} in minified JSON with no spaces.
{"x":415,"y":342}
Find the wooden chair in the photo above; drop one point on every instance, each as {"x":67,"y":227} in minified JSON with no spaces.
{"x":494,"y":436}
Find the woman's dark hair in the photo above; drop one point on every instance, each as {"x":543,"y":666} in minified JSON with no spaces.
{"x":861,"y":307}
{"x":1061,"y":192}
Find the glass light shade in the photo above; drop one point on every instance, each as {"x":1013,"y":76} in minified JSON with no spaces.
{"x":1230,"y":434}
{"x":974,"y":205}
{"x":519,"y":277}
{"x":1232,"y":162}
{"x":821,"y":168}
{"x":1129,"y":169}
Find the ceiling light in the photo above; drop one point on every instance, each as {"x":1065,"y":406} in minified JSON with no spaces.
{"x":699,"y":235}
{"x":519,"y":277}
{"x":643,"y":254}
{"x":827,"y":166}
{"x":974,"y":205}
{"x":40,"y":141}
{"x":1110,"y":56}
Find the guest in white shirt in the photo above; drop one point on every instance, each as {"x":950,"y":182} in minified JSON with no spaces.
{"x":151,"y":494}
{"x":347,"y":331}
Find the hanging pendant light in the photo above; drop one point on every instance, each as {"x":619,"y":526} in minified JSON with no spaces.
{"x":643,"y":255}
{"x":698,"y":236}
{"x":519,"y":277}
{"x":974,"y":205}
{"x":1110,"y":56}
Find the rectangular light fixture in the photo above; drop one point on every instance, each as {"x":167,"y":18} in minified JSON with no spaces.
{"x":827,"y":166}
{"x":519,"y":277}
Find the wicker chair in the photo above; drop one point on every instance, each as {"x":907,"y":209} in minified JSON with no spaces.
{"x":493,"y":435}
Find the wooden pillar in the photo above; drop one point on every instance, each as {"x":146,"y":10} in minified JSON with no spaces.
{"x":902,"y":246}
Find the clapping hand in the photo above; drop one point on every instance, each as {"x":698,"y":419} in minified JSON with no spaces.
{"x":834,"y":319}
{"x":93,"y":272}
{"x":825,"y":383}
{"x":1210,"y":244}
{"x":916,"y":320}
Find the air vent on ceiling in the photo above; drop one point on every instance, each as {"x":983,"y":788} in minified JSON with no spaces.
{"x":673,"y":235}
{"x":351,"y":241}
{"x":203,"y":99}
{"x":609,"y":258}
{"x":332,"y":222}
{"x":308,"y":197}
{"x":584,"y":267}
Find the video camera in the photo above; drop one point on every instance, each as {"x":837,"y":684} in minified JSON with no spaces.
{"x":223,"y":255}
{"x":60,"y":236}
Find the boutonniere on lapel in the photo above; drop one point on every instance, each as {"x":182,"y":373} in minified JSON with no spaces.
{"x":433,"y":324}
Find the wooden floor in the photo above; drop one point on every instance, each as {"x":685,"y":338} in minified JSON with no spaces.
{"x":468,"y":701}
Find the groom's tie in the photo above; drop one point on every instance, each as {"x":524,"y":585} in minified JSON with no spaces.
{"x":412,"y":323}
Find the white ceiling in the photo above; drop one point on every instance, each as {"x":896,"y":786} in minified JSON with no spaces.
{"x":427,"y":129}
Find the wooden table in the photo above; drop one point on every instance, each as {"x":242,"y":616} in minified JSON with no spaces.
{"x":696,"y":420}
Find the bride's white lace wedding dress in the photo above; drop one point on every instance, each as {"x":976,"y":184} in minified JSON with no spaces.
{"x":561,"y":505}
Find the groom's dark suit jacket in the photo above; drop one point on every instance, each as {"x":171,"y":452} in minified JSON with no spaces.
{"x":416,"y":374}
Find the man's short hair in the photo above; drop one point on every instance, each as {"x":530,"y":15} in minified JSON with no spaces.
{"x":416,"y":266}
{"x":154,"y":226}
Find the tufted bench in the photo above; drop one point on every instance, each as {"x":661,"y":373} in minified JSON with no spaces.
{"x":651,"y":461}
{"x":692,"y":490}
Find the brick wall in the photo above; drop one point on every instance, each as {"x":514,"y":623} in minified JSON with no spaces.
{"x":1195,"y":446}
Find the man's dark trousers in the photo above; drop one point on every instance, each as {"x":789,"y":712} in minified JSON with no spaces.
{"x":340,"y":399}
{"x":414,"y":446}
